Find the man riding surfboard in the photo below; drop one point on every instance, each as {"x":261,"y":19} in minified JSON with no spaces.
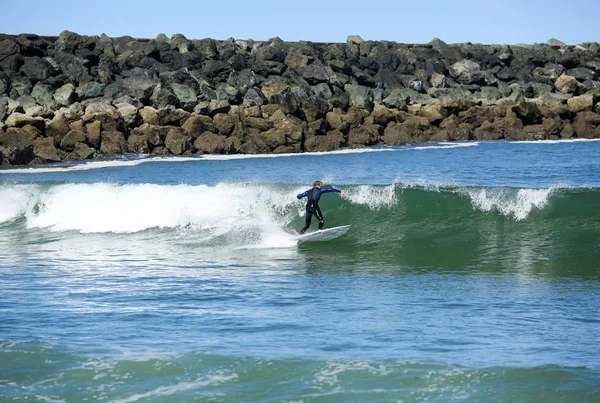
{"x":312,"y":205}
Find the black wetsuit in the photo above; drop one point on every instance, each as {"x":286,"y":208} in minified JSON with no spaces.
{"x":312,"y":205}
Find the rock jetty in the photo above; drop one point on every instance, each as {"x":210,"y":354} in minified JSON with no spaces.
{"x":75,"y":97}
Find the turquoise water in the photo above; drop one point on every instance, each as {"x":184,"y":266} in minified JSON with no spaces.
{"x":471,"y":272}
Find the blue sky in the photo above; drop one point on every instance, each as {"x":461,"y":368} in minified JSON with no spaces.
{"x":498,"y":22}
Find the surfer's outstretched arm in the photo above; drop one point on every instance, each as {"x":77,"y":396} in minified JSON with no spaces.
{"x":327,"y":190}
{"x":301,"y":195}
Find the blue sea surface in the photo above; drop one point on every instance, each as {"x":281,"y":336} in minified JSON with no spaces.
{"x":471,"y":272}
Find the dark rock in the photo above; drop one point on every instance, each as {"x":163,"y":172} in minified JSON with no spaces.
{"x":178,"y":141}
{"x":8,"y":47}
{"x":585,"y":124}
{"x":334,"y":140}
{"x":176,"y":60}
{"x":16,"y":155}
{"x":46,"y":151}
{"x":104,"y":113}
{"x":316,"y":73}
{"x":19,"y":120}
{"x":71,"y":138}
{"x":314,"y":109}
{"x":113,"y":143}
{"x":139,"y":88}
{"x":58,"y":127}
{"x":467,"y":72}
{"x":582,"y":73}
{"x":364,"y":135}
{"x":211,"y":143}
{"x":155,"y":135}
{"x":36,"y":68}
{"x":65,"y":95}
{"x":254,"y":96}
{"x":198,"y":124}
{"x":488,"y":131}
{"x":568,"y":60}
{"x":237,"y":62}
{"x":208,"y":49}
{"x":529,"y":113}
{"x":81,"y":152}
{"x":18,"y":137}
{"x":94,"y":133}
{"x":360,"y":96}
{"x":138,"y":143}
{"x":162,"y":97}
{"x":225,"y":123}
{"x":73,"y":67}
{"x":171,"y":116}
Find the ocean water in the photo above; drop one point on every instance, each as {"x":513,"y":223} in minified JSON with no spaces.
{"x":471,"y":273}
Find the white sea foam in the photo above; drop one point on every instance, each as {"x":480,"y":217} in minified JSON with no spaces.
{"x":86,"y":166}
{"x":104,"y":207}
{"x":14,"y":201}
{"x":373,"y":196}
{"x":240,"y":214}
{"x":517,"y":203}
{"x":561,"y":141}
{"x":185,"y":386}
{"x":444,"y":146}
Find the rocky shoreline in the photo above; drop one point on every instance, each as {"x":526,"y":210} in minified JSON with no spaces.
{"x":75,"y":97}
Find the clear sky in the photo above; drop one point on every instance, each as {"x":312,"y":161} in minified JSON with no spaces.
{"x":419,"y":21}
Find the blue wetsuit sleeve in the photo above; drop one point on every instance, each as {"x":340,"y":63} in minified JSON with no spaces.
{"x":301,"y":195}
{"x":327,"y":190}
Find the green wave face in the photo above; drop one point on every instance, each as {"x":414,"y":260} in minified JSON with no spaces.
{"x":455,"y":228}
{"x":482,"y":229}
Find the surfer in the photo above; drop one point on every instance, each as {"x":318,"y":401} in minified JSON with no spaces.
{"x":312,"y":205}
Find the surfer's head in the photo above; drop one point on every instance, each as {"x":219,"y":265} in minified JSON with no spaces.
{"x":318,"y":184}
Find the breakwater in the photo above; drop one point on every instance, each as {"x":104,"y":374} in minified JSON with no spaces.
{"x":74,"y":97}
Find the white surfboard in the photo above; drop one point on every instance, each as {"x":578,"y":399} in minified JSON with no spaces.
{"x":324,"y":235}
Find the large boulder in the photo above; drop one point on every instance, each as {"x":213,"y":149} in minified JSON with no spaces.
{"x":65,"y":95}
{"x":42,"y":94}
{"x":186,"y":95}
{"x":178,"y":141}
{"x":581,"y":103}
{"x":71,"y":138}
{"x":113,"y":142}
{"x":46,"y":151}
{"x":586,"y":124}
{"x":364,"y":135}
{"x":195,"y":125}
{"x":89,"y":89}
{"x":8,"y":47}
{"x":224,"y":123}
{"x":37,"y":68}
{"x":104,"y":113}
{"x":129,"y":114}
{"x":212,"y":143}
{"x":138,"y":143}
{"x":360,"y":96}
{"x":566,"y":84}
{"x":316,"y":73}
{"x":139,"y":88}
{"x":81,"y":152}
{"x":17,"y":144}
{"x":155,"y":135}
{"x":19,"y":137}
{"x":334,"y":140}
{"x":94,"y":133}
{"x":467,"y":72}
